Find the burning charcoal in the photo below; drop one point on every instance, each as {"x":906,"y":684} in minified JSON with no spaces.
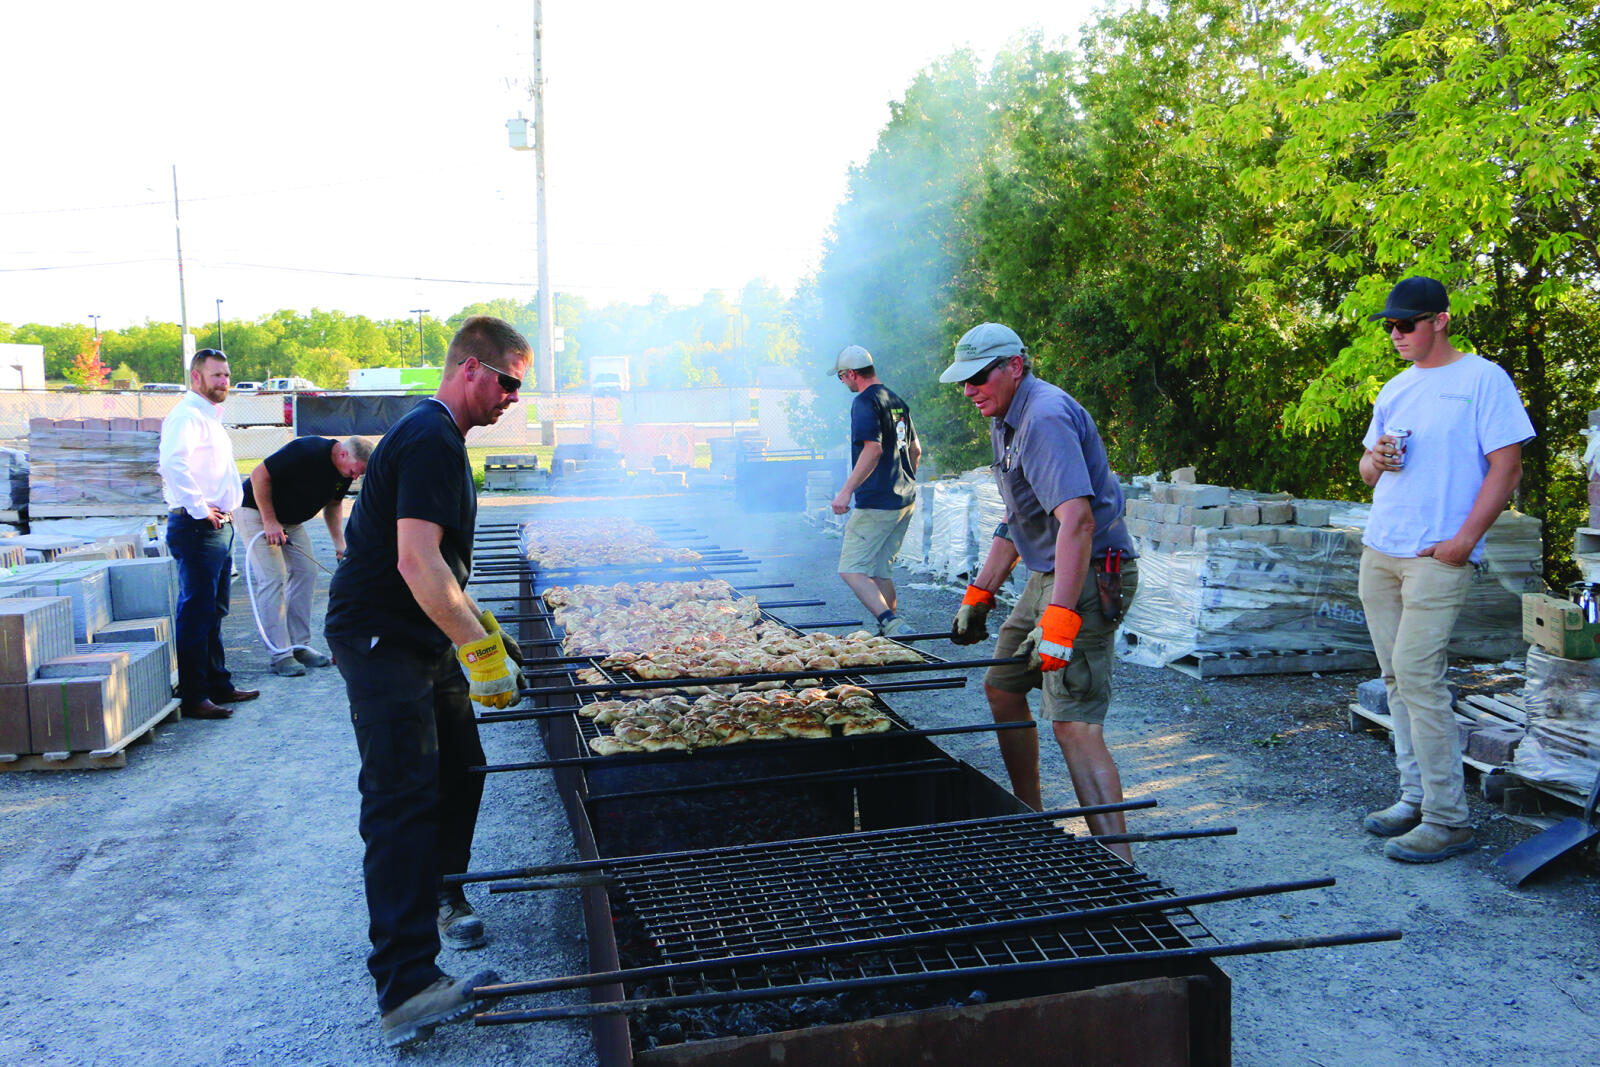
{"x":670,"y":1034}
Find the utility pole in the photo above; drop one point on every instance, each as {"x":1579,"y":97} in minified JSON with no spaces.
{"x":547,"y":360}
{"x":220,"y":345}
{"x":183,"y":300}
{"x":422,"y":345}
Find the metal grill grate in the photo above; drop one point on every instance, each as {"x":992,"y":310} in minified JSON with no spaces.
{"x":798,"y":894}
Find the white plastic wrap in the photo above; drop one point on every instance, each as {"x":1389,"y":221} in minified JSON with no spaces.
{"x":950,"y":544}
{"x":914,"y":549}
{"x":1562,"y":745}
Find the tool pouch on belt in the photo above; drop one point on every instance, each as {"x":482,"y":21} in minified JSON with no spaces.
{"x":1109,"y":584}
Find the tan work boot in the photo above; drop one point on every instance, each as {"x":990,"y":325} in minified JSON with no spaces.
{"x":1430,"y":843}
{"x":1394,"y":820}
{"x":445,"y":1001}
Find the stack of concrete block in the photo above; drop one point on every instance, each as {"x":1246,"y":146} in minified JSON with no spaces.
{"x":45,"y":547}
{"x":13,"y":479}
{"x":85,"y":583}
{"x":94,"y":466}
{"x":1222,"y":570}
{"x":33,"y":631}
{"x":12,"y":555}
{"x":93,"y":697}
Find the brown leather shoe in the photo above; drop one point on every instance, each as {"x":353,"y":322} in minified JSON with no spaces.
{"x":237,"y":696}
{"x":204,"y":709}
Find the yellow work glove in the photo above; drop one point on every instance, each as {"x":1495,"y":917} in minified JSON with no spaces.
{"x":969,"y":626}
{"x":491,"y":626}
{"x":491,"y":676}
{"x":1049,"y":645}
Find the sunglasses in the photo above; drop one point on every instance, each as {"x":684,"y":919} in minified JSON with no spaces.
{"x":983,"y":375}
{"x":1405,"y":325}
{"x":508,"y":383}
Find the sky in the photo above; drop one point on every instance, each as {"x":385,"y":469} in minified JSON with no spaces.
{"x":352,"y":155}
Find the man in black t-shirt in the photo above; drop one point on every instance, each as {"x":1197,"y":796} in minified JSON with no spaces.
{"x":415,"y":652}
{"x":305,"y":476}
{"x":883,"y":476}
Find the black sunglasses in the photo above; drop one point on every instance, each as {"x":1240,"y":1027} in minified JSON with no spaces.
{"x":211,"y":353}
{"x":1405,"y":325}
{"x":507,"y":382}
{"x":983,"y":375}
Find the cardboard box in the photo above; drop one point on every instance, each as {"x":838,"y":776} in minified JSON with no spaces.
{"x":33,"y":631}
{"x":1557,"y":626}
{"x":78,"y":714}
{"x":15,"y":735}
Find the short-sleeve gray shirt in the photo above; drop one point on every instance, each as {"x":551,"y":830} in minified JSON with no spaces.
{"x":1046,"y":452}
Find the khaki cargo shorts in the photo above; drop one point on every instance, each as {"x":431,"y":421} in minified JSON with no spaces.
{"x":871,"y":538}
{"x":1080,"y":691}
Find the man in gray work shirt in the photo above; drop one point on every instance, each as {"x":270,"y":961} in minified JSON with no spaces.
{"x":1064,"y":521}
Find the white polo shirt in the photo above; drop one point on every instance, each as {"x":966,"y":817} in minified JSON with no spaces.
{"x":197,"y":468}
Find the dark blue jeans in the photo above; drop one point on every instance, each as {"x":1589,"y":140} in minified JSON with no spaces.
{"x":205,"y":571}
{"x":417,"y":736}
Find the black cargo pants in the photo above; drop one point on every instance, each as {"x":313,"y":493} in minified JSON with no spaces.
{"x":417,"y":736}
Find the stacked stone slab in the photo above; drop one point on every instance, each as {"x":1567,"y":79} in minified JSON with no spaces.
{"x":94,"y":466}
{"x":33,"y":631}
{"x":1562,"y":745}
{"x":1224,"y":570}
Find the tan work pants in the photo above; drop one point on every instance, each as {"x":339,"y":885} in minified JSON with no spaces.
{"x":1411,"y":606}
{"x":284,"y":581}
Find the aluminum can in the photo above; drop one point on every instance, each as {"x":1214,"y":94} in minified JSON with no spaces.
{"x":1400,"y":438}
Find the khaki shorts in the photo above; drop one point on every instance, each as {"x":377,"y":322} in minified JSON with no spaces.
{"x":871,"y":538}
{"x":1080,"y":691}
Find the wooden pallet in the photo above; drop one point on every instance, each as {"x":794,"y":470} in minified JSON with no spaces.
{"x":100,"y":759}
{"x":1499,"y":781}
{"x":1202,"y":664}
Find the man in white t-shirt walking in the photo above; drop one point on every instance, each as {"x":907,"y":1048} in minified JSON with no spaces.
{"x":1443,"y":455}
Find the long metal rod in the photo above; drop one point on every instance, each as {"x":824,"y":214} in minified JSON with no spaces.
{"x":859,"y":836}
{"x":777,"y":676}
{"x":524,"y":714}
{"x":629,"y":759}
{"x":965,"y":974}
{"x":961,"y":848}
{"x":875,"y":771}
{"x":720,"y":568}
{"x":984,"y":930}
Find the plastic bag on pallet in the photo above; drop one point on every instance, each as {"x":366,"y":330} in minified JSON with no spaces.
{"x":1562,"y":745}
{"x":950,"y":549}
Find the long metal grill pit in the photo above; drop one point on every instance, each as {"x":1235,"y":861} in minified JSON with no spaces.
{"x":814,"y":900}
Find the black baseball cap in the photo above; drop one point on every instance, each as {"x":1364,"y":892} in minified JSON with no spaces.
{"x":1413,"y":297}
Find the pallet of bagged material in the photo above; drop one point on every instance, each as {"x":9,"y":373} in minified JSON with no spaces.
{"x":1233,"y":662}
{"x":111,"y":757}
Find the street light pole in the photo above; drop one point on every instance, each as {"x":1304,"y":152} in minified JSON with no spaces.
{"x":220,"y":345}
{"x":422,"y":346}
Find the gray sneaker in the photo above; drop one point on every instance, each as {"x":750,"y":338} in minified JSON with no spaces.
{"x":312,"y":659}
{"x":1394,"y":820}
{"x":287,"y":667}
{"x":445,"y":1001}
{"x":1430,"y":843}
{"x":894,"y":625}
{"x":459,"y":928}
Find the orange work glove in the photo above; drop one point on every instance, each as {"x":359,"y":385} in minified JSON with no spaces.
{"x":1049,"y":646}
{"x":969,"y":627}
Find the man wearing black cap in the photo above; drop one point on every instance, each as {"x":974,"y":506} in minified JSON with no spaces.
{"x":1443,"y":455}
{"x":883,"y":477}
{"x":1064,"y":520}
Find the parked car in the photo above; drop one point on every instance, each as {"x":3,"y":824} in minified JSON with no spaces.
{"x":288,"y":385}
{"x":161,"y":387}
{"x":245,"y":387}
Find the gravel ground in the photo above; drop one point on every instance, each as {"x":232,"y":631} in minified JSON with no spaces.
{"x":204,"y":904}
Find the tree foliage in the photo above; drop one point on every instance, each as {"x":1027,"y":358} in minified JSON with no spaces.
{"x":1188,"y":214}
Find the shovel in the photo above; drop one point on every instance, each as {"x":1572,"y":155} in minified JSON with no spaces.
{"x":1569,"y":835}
